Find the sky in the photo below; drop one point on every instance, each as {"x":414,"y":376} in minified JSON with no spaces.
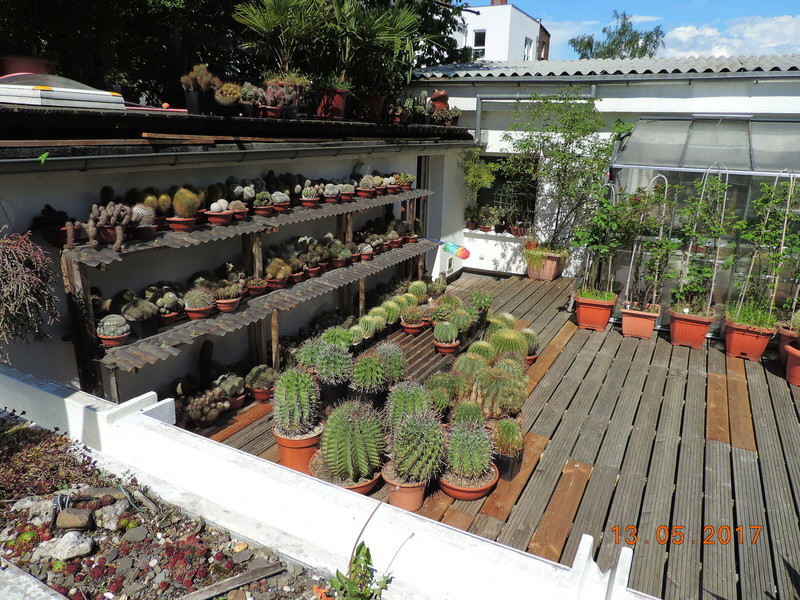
{"x":691,"y":27}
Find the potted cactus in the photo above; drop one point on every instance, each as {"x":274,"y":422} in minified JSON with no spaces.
{"x":143,"y":219}
{"x":405,"y":398}
{"x":277,"y":273}
{"x":256,"y":286}
{"x":393,"y":361}
{"x":411,"y":320}
{"x":239,"y":210}
{"x":509,"y":340}
{"x":251,"y":98}
{"x":419,"y":289}
{"x":369,"y":377}
{"x":227,"y":96}
{"x":351,"y":449}
{"x":262,"y":204}
{"x":533,"y":345}
{"x":470,"y":473}
{"x":57,"y":227}
{"x":338,"y":336}
{"x":500,"y":393}
{"x":347,"y":192}
{"x":199,"y":303}
{"x":185,"y":204}
{"x":330,"y":194}
{"x":417,"y":450}
{"x":445,"y":338}
{"x":113,"y":330}
{"x":107,"y":224}
{"x":333,"y":365}
{"x":296,"y":419}
{"x":169,"y":304}
{"x":142,"y":317}
{"x":261,"y":382}
{"x":366,"y":251}
{"x":219,"y":212}
{"x":366,"y":187}
{"x":509,"y":443}
{"x":234,"y":389}
{"x":309,"y":197}
{"x":228,"y":296}
{"x":281,"y":201}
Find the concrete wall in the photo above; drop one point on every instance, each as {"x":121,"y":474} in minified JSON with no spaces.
{"x":506,"y":28}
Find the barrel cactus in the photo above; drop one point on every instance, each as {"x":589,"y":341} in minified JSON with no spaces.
{"x":378,"y":311}
{"x":368,"y":374}
{"x":418,"y":447}
{"x":392,"y":310}
{"x":402,"y":302}
{"x":338,"y":336}
{"x":296,"y":403}
{"x":508,"y":438}
{"x":334,"y":364}
{"x":480,"y":300}
{"x":469,"y":365}
{"x":198,"y":297}
{"x":499,"y":393}
{"x":229,"y":291}
{"x":353,"y":442}
{"x":308,"y":353}
{"x":185,"y":203}
{"x":469,"y":452}
{"x":410,"y":299}
{"x":509,"y":340}
{"x":261,"y":377}
{"x":451,"y":383}
{"x":498,"y":322}
{"x":418,"y":288}
{"x":405,"y":398}
{"x":482,"y":349}
{"x":532,"y":339}
{"x":445,"y":332}
{"x":511,"y":366}
{"x":462,"y":319}
{"x":393,"y":361}
{"x":113,"y":326}
{"x":139,"y":310}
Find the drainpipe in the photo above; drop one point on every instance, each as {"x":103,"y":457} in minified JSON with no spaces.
{"x":479,"y":98}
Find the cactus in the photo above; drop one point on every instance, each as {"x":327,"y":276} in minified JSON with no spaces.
{"x":469,"y":365}
{"x":167,"y":301}
{"x":198,"y":297}
{"x":307,"y":354}
{"x":498,"y":322}
{"x":532,"y":339}
{"x":237,"y":205}
{"x":309,"y":193}
{"x":369,"y":374}
{"x":338,"y":336}
{"x":113,"y":326}
{"x":461,"y":319}
{"x":406,"y":398}
{"x":296,"y":403}
{"x":469,"y":452}
{"x":185,"y":203}
{"x":330,"y":191}
{"x":231,"y":384}
{"x":499,"y":393}
{"x":164,"y":204}
{"x":139,"y":310}
{"x":228,"y":94}
{"x":367,"y":182}
{"x":263,"y":199}
{"x":275,"y":268}
{"x":393,"y":361}
{"x":228,"y":291}
{"x":418,"y":288}
{"x":261,"y":377}
{"x":344,"y":253}
{"x":392,"y":311}
{"x":220,"y":205}
{"x":352,"y":442}
{"x":440,"y":399}
{"x":508,"y":438}
{"x":402,"y":302}
{"x":113,"y":215}
{"x":480,"y":300}
{"x":334,"y":363}
{"x":143,"y":215}
{"x":356,"y":334}
{"x":483,"y":349}
{"x":509,"y":340}
{"x":411,"y":299}
{"x":467,"y":412}
{"x":449,"y":382}
{"x":445,"y":333}
{"x":418,"y":447}
{"x":511,"y":366}
{"x":379,"y":312}
{"x":412,"y":315}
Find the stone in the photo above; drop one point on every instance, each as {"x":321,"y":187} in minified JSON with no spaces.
{"x":137,"y":534}
{"x":74,"y":518}
{"x":124,"y":565}
{"x":237,"y":595}
{"x":259,"y":562}
{"x":111,"y":555}
{"x":160,"y":577}
{"x":243,"y":556}
{"x":7,"y":533}
{"x":99,"y":492}
{"x":295,"y":569}
{"x":240,"y":547}
{"x":107,"y":517}
{"x":72,"y":544}
{"x":133,"y":589}
{"x":26,"y":503}
{"x":41,"y":512}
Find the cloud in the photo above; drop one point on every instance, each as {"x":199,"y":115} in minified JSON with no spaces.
{"x":643,"y":19}
{"x":743,"y":36}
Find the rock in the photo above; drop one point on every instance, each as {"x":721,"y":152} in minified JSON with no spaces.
{"x":259,"y":562}
{"x":74,"y":518}
{"x":111,"y":555}
{"x":240,"y":547}
{"x":107,"y":517}
{"x":26,"y":503}
{"x":72,"y":545}
{"x":137,"y":534}
{"x":7,"y":533}
{"x":160,"y":577}
{"x":99,"y":492}
{"x":133,"y":589}
{"x":237,"y":595}
{"x":295,"y":569}
{"x":41,"y":512}
{"x":124,"y":565}
{"x":243,"y":556}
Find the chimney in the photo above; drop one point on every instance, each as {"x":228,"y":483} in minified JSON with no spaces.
{"x":499,"y":2}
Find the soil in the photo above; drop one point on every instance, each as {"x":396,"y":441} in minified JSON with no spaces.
{"x":476,"y":482}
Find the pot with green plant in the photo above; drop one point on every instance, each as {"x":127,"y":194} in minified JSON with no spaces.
{"x":113,"y":330}
{"x":334,"y":366}
{"x":470,"y":473}
{"x":405,"y":398}
{"x":199,"y":303}
{"x":544,"y":264}
{"x":483,"y":302}
{"x":228,"y":296}
{"x":142,"y":316}
{"x":352,"y":448}
{"x":227,"y":96}
{"x":262,"y":204}
{"x":251,"y":98}
{"x":260,"y":381}
{"x":411,"y":320}
{"x":277,"y":273}
{"x":472,"y":216}
{"x":487,"y":217}
{"x":417,"y":452}
{"x":509,"y":443}
{"x":185,"y":204}
{"x":234,"y":388}
{"x":369,"y":378}
{"x":533,"y":345}
{"x":296,"y":419}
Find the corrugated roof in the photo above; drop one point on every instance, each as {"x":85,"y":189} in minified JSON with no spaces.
{"x":616,"y":66}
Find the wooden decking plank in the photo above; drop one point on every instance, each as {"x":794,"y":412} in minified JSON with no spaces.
{"x":486,"y":526}
{"x":647,"y":569}
{"x":458,"y":519}
{"x":552,"y":329}
{"x":548,"y":356}
{"x":243,"y":420}
{"x":502,"y":499}
{"x":551,"y":303}
{"x":518,"y":296}
{"x":508,"y":292}
{"x":716,"y":357}
{"x":683,"y":562}
{"x":740,"y":415}
{"x":533,"y":304}
{"x":271,"y":454}
{"x":719,"y":560}
{"x":435,"y":505}
{"x":788,"y":425}
{"x":255,"y":429}
{"x":556,"y":522}
{"x":591,"y":515}
{"x":781,"y":510}
{"x":717,"y":419}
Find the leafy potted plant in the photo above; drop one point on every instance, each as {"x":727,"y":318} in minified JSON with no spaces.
{"x":509,"y":443}
{"x":470,"y":473}
{"x":228,"y":295}
{"x":296,"y":419}
{"x":472,"y":216}
{"x":487,"y":218}
{"x":544,"y":264}
{"x":199,"y":303}
{"x":417,"y":450}
{"x":113,"y":330}
{"x":261,"y":382}
{"x":411,"y":320}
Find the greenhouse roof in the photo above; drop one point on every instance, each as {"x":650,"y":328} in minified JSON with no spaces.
{"x":745,"y":146}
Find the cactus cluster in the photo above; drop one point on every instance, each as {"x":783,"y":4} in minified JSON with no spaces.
{"x":467,"y":412}
{"x":412,"y":315}
{"x":165,"y":298}
{"x":499,"y":393}
{"x":509,"y":340}
{"x":113,"y":326}
{"x":113,"y":215}
{"x":452,"y":384}
{"x":436,"y":288}
{"x":367,"y":182}
{"x":198,"y":297}
{"x":139,"y":310}
{"x":445,"y":306}
{"x":228,"y":291}
{"x":406,"y":397}
{"x":277,"y":269}
{"x":469,"y":452}
{"x":353,"y":442}
{"x":498,"y":322}
{"x":261,"y":377}
{"x":511,"y":366}
{"x":296,"y":403}
{"x":469,"y":365}
{"x":231,"y":384}
{"x":228,"y":94}
{"x":480,"y":300}
{"x":391,"y":310}
{"x":463,"y":318}
{"x":143,"y":215}
{"x":185,"y":203}
{"x":252,"y":94}
{"x":418,"y":447}
{"x":508,"y":438}
{"x":221,"y":205}
{"x":532,"y":340}
{"x":199,"y":79}
{"x":205,"y":408}
{"x":263,"y":199}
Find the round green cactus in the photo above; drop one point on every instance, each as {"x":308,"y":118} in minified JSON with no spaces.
{"x":462,"y":319}
{"x":418,"y":288}
{"x":498,"y":322}
{"x":185,"y":203}
{"x":379,"y":312}
{"x":392,"y":310}
{"x":469,"y":365}
{"x":532,"y":339}
{"x":368,"y":374}
{"x":308,"y":353}
{"x":480,"y":300}
{"x":509,"y":340}
{"x":469,"y":451}
{"x":405,"y":398}
{"x":338,"y":336}
{"x":445,"y":332}
{"x":453,"y":384}
{"x":411,"y":299}
{"x":393,"y":361}
{"x":261,"y":377}
{"x":499,"y":393}
{"x":508,"y":438}
{"x":296,"y":403}
{"x":353,"y":442}
{"x":418,"y":447}
{"x":467,"y":412}
{"x":482,"y":349}
{"x":510,"y":366}
{"x":412,"y":315}
{"x":440,"y":399}
{"x":402,"y":301}
{"x":334,"y":364}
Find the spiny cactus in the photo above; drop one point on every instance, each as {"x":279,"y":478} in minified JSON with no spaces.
{"x":418,"y":447}
{"x":113,"y":215}
{"x":532,"y":339}
{"x":511,"y":366}
{"x":449,"y":382}
{"x":509,"y":340}
{"x":508,"y":438}
{"x":296,"y":403}
{"x":113,"y":326}
{"x":231,"y":384}
{"x":402,"y":302}
{"x":367,"y":182}
{"x":261,"y":377}
{"x":412,"y":315}
{"x":356,"y":334}
{"x":405,"y":398}
{"x":334,"y":363}
{"x":229,"y":291}
{"x":445,"y":332}
{"x":461,"y":319}
{"x":353,"y":442}
{"x":263,"y":199}
{"x":338,"y":336}
{"x":368,"y":374}
{"x":498,"y":322}
{"x":307,"y":354}
{"x":309,"y":193}
{"x":418,"y":288}
{"x":467,"y":412}
{"x":379,"y":312}
{"x":393,"y":361}
{"x":483,"y":349}
{"x":436,"y":288}
{"x":392,"y":310}
{"x":411,"y":299}
{"x":440,"y":400}
{"x":198,"y":297}
{"x":143,"y":215}
{"x":480,"y":300}
{"x":469,"y":365}
{"x":228,"y":94}
{"x":499,"y":393}
{"x":469,"y":451}
{"x":185,"y":203}
{"x":139,"y":310}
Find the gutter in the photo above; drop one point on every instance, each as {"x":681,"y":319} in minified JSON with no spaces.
{"x":757,"y":77}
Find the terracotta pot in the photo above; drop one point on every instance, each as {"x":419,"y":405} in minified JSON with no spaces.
{"x":508,"y":467}
{"x":337,"y":263}
{"x":263,"y":211}
{"x":745,"y":341}
{"x":185,"y":225}
{"x":688,"y":330}
{"x":257,"y":290}
{"x":468,"y":493}
{"x":310,"y":202}
{"x":516,"y":231}
{"x":159,"y":220}
{"x":785,"y":337}
{"x":593,"y":314}
{"x":313,"y":271}
{"x":355,"y":258}
{"x":270,"y":112}
{"x":381,"y":190}
{"x":331,"y":199}
{"x":639,"y":323}
{"x":359,"y":488}
{"x":144,"y":233}
{"x":530,"y":359}
{"x":405,"y":187}
{"x":323,"y":267}
{"x":365,"y":192}
{"x":229,"y":305}
{"x":260,"y":395}
{"x":236,"y":403}
{"x":332,"y":104}
{"x":551,"y":269}
{"x":107,"y":234}
{"x":410,"y":239}
{"x":57,"y":236}
{"x":282,"y":206}
{"x":367,"y":255}
{"x":442,"y":348}
{"x":220,"y":218}
{"x":297,"y":277}
{"x":793,"y":363}
{"x":297,"y":453}
{"x":472,"y":225}
{"x":240,"y":215}
{"x":409,"y":496}
{"x":112,"y":341}
{"x":276,"y":284}
{"x":167,"y":319}
{"x":201,"y":216}
{"x":195,"y":314}
{"x":372,"y":107}
{"x":395,"y":243}
{"x":412,"y":329}
{"x":392,"y":189}
{"x":346,"y":196}
{"x":485,"y":228}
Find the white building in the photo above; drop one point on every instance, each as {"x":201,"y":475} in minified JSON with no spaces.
{"x":504,"y":32}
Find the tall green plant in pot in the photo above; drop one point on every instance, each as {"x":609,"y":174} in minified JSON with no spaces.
{"x":470,"y":472}
{"x":296,"y":418}
{"x":704,"y":224}
{"x":478,"y":175}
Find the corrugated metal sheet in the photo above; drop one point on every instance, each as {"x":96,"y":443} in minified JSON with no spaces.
{"x":789,"y":63}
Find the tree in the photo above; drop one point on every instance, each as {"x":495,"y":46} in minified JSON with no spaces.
{"x":622,"y":41}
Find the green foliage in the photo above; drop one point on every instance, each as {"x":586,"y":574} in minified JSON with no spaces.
{"x":418,"y":447}
{"x":508,"y":437}
{"x":499,"y":393}
{"x":406,"y":398}
{"x":467,"y":412}
{"x":593,"y":294}
{"x":480,"y":300}
{"x":360,"y":582}
{"x":338,"y":336}
{"x":444,"y":307}
{"x":353,"y":442}
{"x":393,"y":361}
{"x":445,"y":332}
{"x":261,"y":377}
{"x":368,"y":374}
{"x":622,"y":41}
{"x":469,"y":451}
{"x":296,"y":403}
{"x":483,"y":349}
{"x":440,"y":400}
{"x":478,"y":174}
{"x":509,"y":340}
{"x":752,"y":314}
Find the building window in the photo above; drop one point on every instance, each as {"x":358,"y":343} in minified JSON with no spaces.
{"x":527,"y":53}
{"x":479,"y":44}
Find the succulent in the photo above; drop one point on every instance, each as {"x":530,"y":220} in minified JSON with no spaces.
{"x":412,"y":315}
{"x":198,"y":297}
{"x":449,"y":382}
{"x":445,"y":332}
{"x":405,"y":398}
{"x":356,"y":334}
{"x":309,"y":193}
{"x":509,"y":340}
{"x":280,"y":198}
{"x":261,"y":377}
{"x":378,"y":312}
{"x":436,"y":288}
{"x":483,"y":349}
{"x":392,"y":311}
{"x":338,"y":336}
{"x":462,"y":319}
{"x":411,"y":299}
{"x":228,"y":94}
{"x":440,"y":400}
{"x":334,"y":363}
{"x":418,"y":288}
{"x":418,"y":447}
{"x":113,"y":215}
{"x":139,"y":310}
{"x":330,"y":190}
{"x":308,"y":353}
{"x":499,"y":393}
{"x":296,"y":403}
{"x":263,"y":199}
{"x":511,"y":366}
{"x":367,"y":182}
{"x":353,"y":442}
{"x":277,"y":269}
{"x":532,"y":339}
{"x":467,"y":412}
{"x":393,"y":361}
{"x":480,"y":300}
{"x":344,"y":253}
{"x":231,"y":384}
{"x":206,"y":407}
{"x":185,"y":203}
{"x":498,"y":322}
{"x":167,"y":301}
{"x":368,"y":374}
{"x":469,"y":365}
{"x":508,"y":438}
{"x":445,"y":306}
{"x":252,"y":94}
{"x":228,"y":291}
{"x":113,"y":326}
{"x":143,"y":215}
{"x":469,"y":451}
{"x":402,"y":302}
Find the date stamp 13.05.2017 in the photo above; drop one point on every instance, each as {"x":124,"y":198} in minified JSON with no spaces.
{"x":678,"y":534}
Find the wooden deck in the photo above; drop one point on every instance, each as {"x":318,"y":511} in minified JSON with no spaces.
{"x":695,"y":454}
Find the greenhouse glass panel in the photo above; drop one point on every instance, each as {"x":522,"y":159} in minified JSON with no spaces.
{"x":723,"y":141}
{"x":656,"y":143}
{"x":776,"y":146}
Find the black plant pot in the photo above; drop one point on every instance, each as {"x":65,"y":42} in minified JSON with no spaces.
{"x":249,"y":109}
{"x":508,"y":466}
{"x":482,"y":319}
{"x":192,"y":102}
{"x":454,"y":121}
{"x":376,"y":399}
{"x":146,"y":328}
{"x":333,"y":394}
{"x":356,"y":348}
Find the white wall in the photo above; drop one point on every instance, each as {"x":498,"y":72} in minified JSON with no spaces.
{"x":506,"y":28}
